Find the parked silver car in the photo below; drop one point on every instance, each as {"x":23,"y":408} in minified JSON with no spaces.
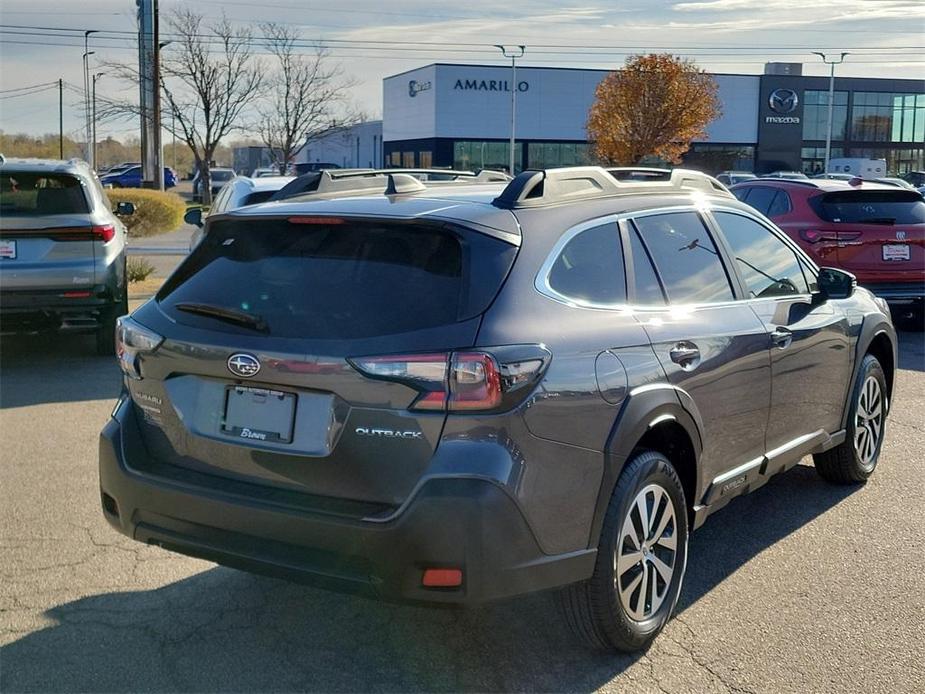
{"x":62,"y":250}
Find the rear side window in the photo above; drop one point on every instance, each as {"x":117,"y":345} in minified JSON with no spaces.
{"x":768,"y":265}
{"x":761,"y":198}
{"x":38,"y":194}
{"x":685,"y":257}
{"x":780,"y":204}
{"x":339,"y":280}
{"x":870,"y":206}
{"x":590,"y":267}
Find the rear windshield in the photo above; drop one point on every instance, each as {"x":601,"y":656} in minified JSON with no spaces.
{"x":38,"y":194}
{"x":339,"y":281}
{"x":221,"y":175}
{"x":871,"y":206}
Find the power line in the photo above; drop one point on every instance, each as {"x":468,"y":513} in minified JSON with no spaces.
{"x":31,"y":86}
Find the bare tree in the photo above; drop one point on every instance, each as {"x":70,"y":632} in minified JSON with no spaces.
{"x":208,"y":81}
{"x":306,"y":95}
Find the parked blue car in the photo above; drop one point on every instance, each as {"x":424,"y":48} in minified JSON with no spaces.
{"x":131,"y":178}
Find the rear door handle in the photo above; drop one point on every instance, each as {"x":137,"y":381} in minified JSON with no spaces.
{"x":781,"y":337}
{"x":686,"y":354}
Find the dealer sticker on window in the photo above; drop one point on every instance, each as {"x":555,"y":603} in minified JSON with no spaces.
{"x":8,"y":249}
{"x":896,"y":251}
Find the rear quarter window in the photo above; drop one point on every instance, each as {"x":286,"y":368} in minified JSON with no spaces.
{"x":39,"y":194}
{"x":589,"y":269}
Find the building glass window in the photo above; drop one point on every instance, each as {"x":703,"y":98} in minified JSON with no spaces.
{"x":407,"y":160}
{"x":814,"y":158}
{"x":546,"y":155}
{"x":816,"y":114}
{"x":395,"y":159}
{"x":473,"y":156}
{"x":714,"y":158}
{"x":427,"y":159}
{"x":888,"y":117}
{"x":899,"y":160}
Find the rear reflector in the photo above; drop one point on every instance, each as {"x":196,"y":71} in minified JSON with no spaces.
{"x":442,"y":578}
{"x":76,"y":295}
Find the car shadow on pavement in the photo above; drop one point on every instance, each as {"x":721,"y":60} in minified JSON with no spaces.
{"x":39,"y":369}
{"x":911,"y":350}
{"x":227,"y":630}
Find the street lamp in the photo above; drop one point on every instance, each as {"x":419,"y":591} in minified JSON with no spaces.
{"x":828,"y":131}
{"x":86,"y":64}
{"x":96,"y":76}
{"x":515,"y":53}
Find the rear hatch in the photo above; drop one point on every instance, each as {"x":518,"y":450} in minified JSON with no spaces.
{"x":262,"y":324}
{"x":46,"y":237}
{"x":880,"y":233}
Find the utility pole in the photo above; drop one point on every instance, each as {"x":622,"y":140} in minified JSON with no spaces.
{"x":828,"y":131}
{"x":96,"y":76}
{"x":149,"y":85}
{"x":514,"y":54}
{"x":61,"y":118}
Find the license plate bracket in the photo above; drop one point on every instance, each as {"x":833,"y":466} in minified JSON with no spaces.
{"x":7,"y":249}
{"x":896,"y":251}
{"x":259,"y":414}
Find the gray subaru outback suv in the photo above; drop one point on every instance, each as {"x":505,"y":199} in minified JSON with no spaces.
{"x":467,"y":393}
{"x":62,"y":250}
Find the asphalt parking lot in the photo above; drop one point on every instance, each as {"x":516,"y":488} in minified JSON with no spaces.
{"x":799,"y":587}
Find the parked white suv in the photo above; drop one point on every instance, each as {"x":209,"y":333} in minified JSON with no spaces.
{"x":62,"y":250}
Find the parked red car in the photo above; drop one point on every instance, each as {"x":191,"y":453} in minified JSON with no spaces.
{"x":874,"y":231}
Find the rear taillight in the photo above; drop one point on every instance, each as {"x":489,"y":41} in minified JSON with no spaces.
{"x":839,"y":237}
{"x":133,"y":340}
{"x":471,"y":381}
{"x":104,"y":232}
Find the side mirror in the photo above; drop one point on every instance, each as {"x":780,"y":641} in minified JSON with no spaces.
{"x":193,"y":216}
{"x":125,"y":209}
{"x":835,"y":283}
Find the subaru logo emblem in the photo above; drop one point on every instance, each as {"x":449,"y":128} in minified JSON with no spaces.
{"x":243,"y":365}
{"x":783,"y":101}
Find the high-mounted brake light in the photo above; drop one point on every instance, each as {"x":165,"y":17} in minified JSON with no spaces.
{"x":316,"y":220}
{"x":470,"y":381}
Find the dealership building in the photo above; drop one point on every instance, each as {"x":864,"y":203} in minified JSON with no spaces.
{"x":455,"y":115}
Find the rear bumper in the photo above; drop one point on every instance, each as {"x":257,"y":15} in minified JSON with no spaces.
{"x":465,"y":523}
{"x":75,"y":309}
{"x":897,"y":292}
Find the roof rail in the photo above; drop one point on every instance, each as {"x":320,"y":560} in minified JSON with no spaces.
{"x":536,"y":188}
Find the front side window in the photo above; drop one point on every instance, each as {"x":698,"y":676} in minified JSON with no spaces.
{"x":686,"y":258}
{"x":768,"y":266}
{"x":590,"y":268}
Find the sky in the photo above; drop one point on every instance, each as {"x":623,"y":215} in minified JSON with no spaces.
{"x":373,"y":39}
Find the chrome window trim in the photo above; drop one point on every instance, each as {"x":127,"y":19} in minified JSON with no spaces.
{"x":704,"y":208}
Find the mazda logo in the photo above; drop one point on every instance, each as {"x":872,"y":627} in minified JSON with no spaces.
{"x":783,"y":101}
{"x":243,"y":365}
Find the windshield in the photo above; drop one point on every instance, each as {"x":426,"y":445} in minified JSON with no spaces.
{"x":37,"y":194}
{"x":871,"y":206}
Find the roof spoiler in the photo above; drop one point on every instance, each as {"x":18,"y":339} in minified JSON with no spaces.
{"x":536,"y":188}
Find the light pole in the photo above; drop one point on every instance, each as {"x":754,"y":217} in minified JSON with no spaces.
{"x":86,"y":65}
{"x":515,"y":53}
{"x":96,"y":76}
{"x":828,"y":130}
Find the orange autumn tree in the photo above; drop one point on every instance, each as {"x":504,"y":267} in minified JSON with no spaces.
{"x":655,"y":106}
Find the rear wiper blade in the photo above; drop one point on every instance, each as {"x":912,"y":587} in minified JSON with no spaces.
{"x":231,"y":315}
{"x":878,"y":220}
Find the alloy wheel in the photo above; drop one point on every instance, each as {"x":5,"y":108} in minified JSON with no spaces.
{"x":644,"y":559}
{"x":868,"y":421}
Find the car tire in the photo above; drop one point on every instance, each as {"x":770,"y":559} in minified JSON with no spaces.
{"x":106,"y":333}
{"x":855,"y":459}
{"x":609,"y":611}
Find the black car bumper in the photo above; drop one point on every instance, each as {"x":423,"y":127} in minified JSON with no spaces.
{"x":898,"y":292}
{"x":55,"y":309}
{"x":469,"y":524}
